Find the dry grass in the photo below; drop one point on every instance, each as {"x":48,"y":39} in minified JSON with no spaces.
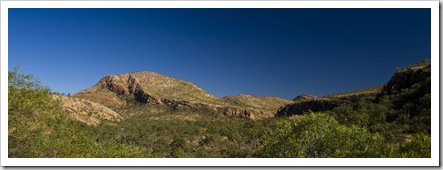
{"x":86,"y":111}
{"x":268,"y":103}
{"x":367,"y":91}
{"x":171,"y":88}
{"x":101,"y":95}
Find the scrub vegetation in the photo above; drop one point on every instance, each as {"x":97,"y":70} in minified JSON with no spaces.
{"x":394,"y":124}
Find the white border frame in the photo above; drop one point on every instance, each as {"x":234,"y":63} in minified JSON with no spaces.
{"x":433,"y":161}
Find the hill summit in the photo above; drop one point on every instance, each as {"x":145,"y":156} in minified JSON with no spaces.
{"x":150,"y":88}
{"x":143,"y":86}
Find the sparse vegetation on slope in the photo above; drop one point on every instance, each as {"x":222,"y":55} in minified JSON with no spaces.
{"x":86,"y":111}
{"x":269,"y":103}
{"x":304,"y":97}
{"x":355,"y":95}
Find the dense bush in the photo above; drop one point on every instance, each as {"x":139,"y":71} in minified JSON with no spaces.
{"x":38,"y":127}
{"x":419,"y":147}
{"x":320,"y":135}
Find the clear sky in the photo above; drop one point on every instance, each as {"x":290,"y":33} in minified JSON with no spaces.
{"x":262,"y":52}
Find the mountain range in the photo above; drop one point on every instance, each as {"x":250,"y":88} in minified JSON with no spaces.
{"x":115,"y":97}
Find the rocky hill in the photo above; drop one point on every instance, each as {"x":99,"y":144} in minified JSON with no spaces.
{"x":402,"y":79}
{"x":150,"y":88}
{"x":406,"y":78}
{"x":144,"y":86}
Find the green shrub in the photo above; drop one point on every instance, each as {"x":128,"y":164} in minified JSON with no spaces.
{"x":418,"y":147}
{"x":320,"y":135}
{"x":38,"y":127}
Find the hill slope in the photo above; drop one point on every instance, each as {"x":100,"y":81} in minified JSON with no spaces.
{"x":149,"y":88}
{"x":270,"y":103}
{"x":86,"y":111}
{"x":110,"y":89}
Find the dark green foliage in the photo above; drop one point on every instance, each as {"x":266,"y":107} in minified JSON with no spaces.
{"x":37,"y":126}
{"x":403,"y":107}
{"x":419,"y":147}
{"x":319,"y":135}
{"x":179,"y":138}
{"x":370,"y":115}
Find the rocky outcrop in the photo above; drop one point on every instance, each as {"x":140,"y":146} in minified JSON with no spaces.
{"x":406,"y":78}
{"x":302,"y":107}
{"x":243,"y":113}
{"x":86,"y":111}
{"x":304,"y":97}
{"x":227,"y":111}
{"x":128,"y":86}
{"x":185,"y":104}
{"x":102,"y":96}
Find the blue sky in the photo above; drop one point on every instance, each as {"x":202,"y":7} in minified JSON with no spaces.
{"x":262,"y":52}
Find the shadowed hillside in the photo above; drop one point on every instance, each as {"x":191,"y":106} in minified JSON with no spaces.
{"x":414,"y":78}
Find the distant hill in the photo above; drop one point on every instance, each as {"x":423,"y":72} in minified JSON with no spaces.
{"x":355,"y":95}
{"x":149,"y":88}
{"x":303,"y":97}
{"x":270,"y":103}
